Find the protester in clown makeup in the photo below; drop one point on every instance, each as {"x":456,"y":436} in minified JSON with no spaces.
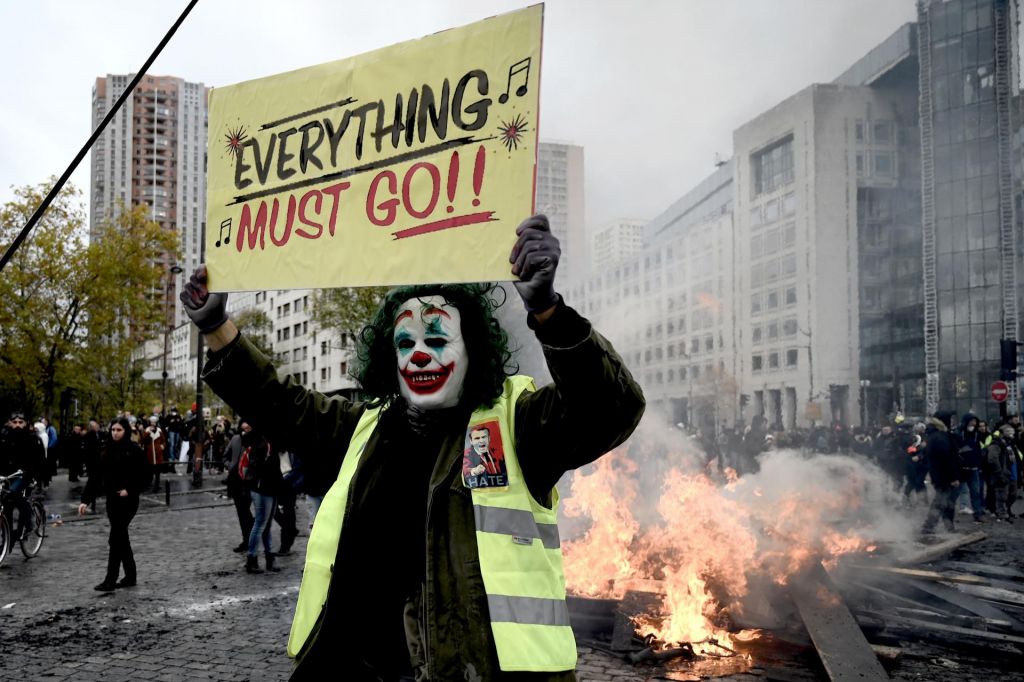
{"x":454,"y":579}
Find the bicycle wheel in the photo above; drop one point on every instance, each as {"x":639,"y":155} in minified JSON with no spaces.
{"x":5,"y":537}
{"x":31,"y":543}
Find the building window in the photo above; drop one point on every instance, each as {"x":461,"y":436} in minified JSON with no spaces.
{"x":789,"y":327}
{"x":882,"y":132}
{"x":773,"y":330}
{"x":771,"y":241}
{"x":773,"y":361}
{"x":757,"y":275}
{"x":773,"y":166}
{"x":789,"y":204}
{"x":755,"y":216}
{"x":791,"y":357}
{"x":771,"y":300}
{"x":756,"y":246}
{"x":757,"y":363}
{"x":789,"y":265}
{"x":789,"y":236}
{"x":883,"y":163}
{"x":858,"y":131}
{"x":790,"y":296}
{"x":344,"y":368}
{"x":709,"y":343}
{"x":755,"y":334}
{"x":297,"y":330}
{"x":755,"y":304}
{"x":323,"y":348}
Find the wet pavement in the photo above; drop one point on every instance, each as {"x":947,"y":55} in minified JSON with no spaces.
{"x":195,"y":613}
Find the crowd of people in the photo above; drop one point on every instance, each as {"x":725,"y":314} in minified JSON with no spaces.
{"x":128,"y":457}
{"x":974,"y":469}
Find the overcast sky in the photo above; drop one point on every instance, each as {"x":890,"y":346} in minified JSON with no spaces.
{"x":652,"y":89}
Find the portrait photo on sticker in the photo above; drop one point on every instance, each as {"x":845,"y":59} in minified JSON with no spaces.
{"x":483,"y":460}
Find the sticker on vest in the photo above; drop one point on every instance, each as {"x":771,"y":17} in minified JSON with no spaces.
{"x":483,"y":459}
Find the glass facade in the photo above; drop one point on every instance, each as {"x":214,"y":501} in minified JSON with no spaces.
{"x":965,"y":150}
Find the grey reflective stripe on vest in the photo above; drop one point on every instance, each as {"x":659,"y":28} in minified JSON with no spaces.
{"x":527,"y":610}
{"x":517,"y":523}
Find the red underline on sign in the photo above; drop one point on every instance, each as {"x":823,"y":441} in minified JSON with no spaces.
{"x":447,"y":223}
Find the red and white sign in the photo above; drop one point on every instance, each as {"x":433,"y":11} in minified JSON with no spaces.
{"x":1000,"y":391}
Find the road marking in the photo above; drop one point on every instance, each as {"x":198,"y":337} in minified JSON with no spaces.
{"x":203,"y":607}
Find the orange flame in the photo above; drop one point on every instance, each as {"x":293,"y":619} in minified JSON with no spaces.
{"x":707,"y":540}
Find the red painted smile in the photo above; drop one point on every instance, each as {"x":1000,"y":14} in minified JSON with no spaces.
{"x":425,"y":382}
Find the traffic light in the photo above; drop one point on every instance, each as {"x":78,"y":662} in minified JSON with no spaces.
{"x":1008,"y":358}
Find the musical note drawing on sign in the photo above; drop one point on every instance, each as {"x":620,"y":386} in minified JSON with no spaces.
{"x":224,"y":226}
{"x":522,"y":66}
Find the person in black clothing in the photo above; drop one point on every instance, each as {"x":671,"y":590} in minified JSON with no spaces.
{"x":944,"y":469}
{"x":92,"y":446}
{"x":21,"y":450}
{"x":122,"y":474}
{"x":972,"y":456}
{"x":236,"y":488}
{"x":71,"y":453}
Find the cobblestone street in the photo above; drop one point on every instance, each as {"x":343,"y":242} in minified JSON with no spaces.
{"x":195,"y":614}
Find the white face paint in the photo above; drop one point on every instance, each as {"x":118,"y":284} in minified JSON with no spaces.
{"x":432,"y":358}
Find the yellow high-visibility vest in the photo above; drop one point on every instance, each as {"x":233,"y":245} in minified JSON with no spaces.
{"x":517,"y":545}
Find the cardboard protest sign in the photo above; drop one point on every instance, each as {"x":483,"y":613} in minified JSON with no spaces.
{"x":410,"y":164}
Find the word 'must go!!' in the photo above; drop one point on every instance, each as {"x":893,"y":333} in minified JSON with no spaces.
{"x":308,"y":148}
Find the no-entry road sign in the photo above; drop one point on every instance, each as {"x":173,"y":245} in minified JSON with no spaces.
{"x":1000,"y":391}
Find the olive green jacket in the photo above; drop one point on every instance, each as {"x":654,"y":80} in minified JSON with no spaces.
{"x":592,"y":406}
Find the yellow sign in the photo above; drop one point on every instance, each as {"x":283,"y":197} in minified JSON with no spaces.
{"x":410,"y":164}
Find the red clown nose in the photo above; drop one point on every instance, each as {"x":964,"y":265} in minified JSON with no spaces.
{"x":420,"y":359}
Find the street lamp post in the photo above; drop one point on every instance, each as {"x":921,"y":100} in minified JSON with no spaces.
{"x":174,"y":270}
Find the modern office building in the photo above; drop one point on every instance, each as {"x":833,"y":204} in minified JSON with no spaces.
{"x":968,"y":55}
{"x":560,"y":197}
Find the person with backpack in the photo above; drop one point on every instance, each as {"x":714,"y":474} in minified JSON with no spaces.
{"x":260,"y":470}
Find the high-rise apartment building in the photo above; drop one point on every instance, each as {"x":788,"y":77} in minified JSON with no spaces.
{"x":617,"y":241}
{"x":153,"y":153}
{"x":560,"y":197}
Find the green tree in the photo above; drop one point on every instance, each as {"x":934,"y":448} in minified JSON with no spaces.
{"x":346,"y":310}
{"x":74,"y":313}
{"x":256,"y":326}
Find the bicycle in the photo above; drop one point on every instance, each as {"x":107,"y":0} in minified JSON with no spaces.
{"x":30,"y":542}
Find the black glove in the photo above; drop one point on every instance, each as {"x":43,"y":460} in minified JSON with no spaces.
{"x":208,"y":311}
{"x":534,"y":260}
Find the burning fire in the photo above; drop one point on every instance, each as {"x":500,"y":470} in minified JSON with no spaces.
{"x":708,"y":539}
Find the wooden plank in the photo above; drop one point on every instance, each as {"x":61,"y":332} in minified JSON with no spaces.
{"x":922,"y":574}
{"x":903,"y":622}
{"x":893,"y":597}
{"x":984,"y":569}
{"x":968,"y":603}
{"x":992,"y":593}
{"x":842,"y":648}
{"x":942,"y":549}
